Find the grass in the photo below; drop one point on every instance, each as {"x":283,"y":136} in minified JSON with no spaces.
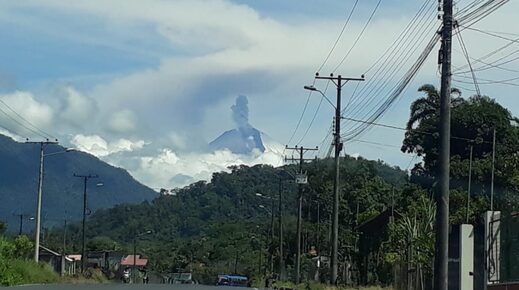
{"x":17,"y":272}
{"x":318,"y":286}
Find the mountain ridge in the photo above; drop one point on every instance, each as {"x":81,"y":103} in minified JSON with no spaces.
{"x":62,"y":196}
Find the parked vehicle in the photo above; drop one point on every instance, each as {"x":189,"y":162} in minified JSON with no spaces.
{"x":233,"y":280}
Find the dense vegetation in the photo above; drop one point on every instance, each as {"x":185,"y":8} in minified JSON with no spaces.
{"x":223,"y":226}
{"x":15,"y":266}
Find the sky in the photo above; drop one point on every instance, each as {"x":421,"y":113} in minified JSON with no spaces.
{"x":147,"y":84}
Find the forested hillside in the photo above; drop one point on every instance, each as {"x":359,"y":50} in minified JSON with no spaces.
{"x":212,"y":223}
{"x":62,"y":192}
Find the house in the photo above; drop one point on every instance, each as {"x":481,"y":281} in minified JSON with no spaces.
{"x":137,"y":260}
{"x":61,"y":264}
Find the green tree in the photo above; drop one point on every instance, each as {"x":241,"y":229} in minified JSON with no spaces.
{"x":23,"y":247}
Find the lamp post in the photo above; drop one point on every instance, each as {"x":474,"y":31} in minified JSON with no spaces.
{"x":40,"y":190}
{"x":271,"y":242}
{"x":135,"y":237}
{"x":339,"y":81}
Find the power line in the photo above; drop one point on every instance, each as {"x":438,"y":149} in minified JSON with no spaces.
{"x":315,"y":115}
{"x":489,"y":82}
{"x":300,"y":118}
{"x":414,"y":130}
{"x":339,"y":37}
{"x":399,"y":88}
{"x":359,"y":36}
{"x":493,"y":53}
{"x":403,"y":47}
{"x":465,"y":52}
{"x":373,"y":143}
{"x":27,"y":121}
{"x":21,"y":124}
{"x":409,"y":25}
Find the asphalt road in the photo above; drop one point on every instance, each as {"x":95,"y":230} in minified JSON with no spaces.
{"x":124,"y":287}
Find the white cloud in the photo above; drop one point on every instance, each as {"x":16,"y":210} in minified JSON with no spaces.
{"x":122,"y":122}
{"x":30,"y":118}
{"x":76,"y":108}
{"x":98,"y":146}
{"x":169,"y":169}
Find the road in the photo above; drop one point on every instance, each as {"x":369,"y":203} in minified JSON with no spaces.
{"x":125,"y":287}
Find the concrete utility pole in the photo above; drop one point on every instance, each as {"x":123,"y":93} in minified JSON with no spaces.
{"x":38,"y":206}
{"x":83,"y":250}
{"x":301,"y":179}
{"x":339,"y":82}
{"x":470,"y":183}
{"x":493,"y":172}
{"x":442,"y":199}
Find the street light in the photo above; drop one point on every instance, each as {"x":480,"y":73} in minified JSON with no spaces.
{"x":314,"y":89}
{"x":135,"y":237}
{"x":272,"y":200}
{"x":40,"y":189}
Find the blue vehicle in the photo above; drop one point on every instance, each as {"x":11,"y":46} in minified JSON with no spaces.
{"x":233,"y":280}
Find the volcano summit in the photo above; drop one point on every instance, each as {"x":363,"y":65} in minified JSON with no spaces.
{"x":244,"y":139}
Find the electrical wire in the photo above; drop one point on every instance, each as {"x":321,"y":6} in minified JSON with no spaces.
{"x":28,"y":129}
{"x":315,"y":115}
{"x":373,"y":143}
{"x":339,"y":36}
{"x":468,"y":19}
{"x":359,"y":36}
{"x":402,"y":48}
{"x":414,"y":130}
{"x":300,"y":118}
{"x":466,"y":54}
{"x":46,"y":135}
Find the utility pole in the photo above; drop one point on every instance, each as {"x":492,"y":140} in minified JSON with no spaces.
{"x":493,"y":170}
{"x":470,"y":183}
{"x":83,"y":250}
{"x":301,"y":179}
{"x":442,"y":199}
{"x":21,"y":216}
{"x":271,"y":244}
{"x":38,"y":206}
{"x":280,"y":221}
{"x":339,"y":82}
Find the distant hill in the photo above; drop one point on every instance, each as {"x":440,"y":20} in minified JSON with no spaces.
{"x":62,"y":193}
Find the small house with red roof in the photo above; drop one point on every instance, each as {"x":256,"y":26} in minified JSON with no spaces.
{"x":137,"y":260}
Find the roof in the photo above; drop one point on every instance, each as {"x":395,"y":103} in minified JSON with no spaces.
{"x":50,"y":251}
{"x":130,"y":261}
{"x":75,"y":257}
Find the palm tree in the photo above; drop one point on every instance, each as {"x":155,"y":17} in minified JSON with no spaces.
{"x":429,"y":106}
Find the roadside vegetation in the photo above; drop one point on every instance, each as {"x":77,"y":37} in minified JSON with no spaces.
{"x":15,"y":266}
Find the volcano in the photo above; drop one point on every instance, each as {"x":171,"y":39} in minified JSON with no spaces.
{"x":239,"y":141}
{"x":245,"y":138}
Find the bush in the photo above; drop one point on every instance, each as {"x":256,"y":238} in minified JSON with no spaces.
{"x":23,"y":247}
{"x":7,"y":249}
{"x":16,"y":272}
{"x":31,"y":272}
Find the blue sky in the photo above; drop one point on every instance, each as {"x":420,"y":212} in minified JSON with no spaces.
{"x":147,"y":84}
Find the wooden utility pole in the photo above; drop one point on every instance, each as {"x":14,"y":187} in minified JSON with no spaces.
{"x":301,"y":179}
{"x":339,"y":82}
{"x":83,"y":249}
